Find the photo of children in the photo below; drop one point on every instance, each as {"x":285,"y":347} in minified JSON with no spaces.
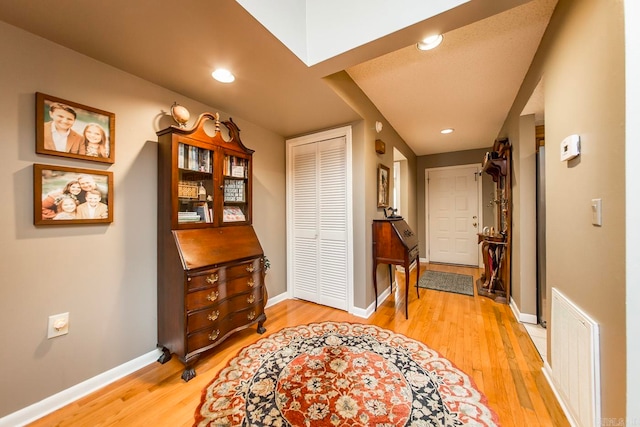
{"x":92,"y":208}
{"x":66,"y":207}
{"x":72,"y":130}
{"x":71,"y":194}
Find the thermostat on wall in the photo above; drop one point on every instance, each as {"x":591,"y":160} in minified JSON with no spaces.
{"x":570,"y":147}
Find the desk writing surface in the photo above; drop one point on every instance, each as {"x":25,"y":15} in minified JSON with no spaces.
{"x":392,"y":239}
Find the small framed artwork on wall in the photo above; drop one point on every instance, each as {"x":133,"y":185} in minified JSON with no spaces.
{"x":63,"y":195}
{"x":383,"y":186}
{"x":69,"y":129}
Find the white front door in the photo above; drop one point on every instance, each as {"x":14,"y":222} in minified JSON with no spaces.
{"x":452,"y":212}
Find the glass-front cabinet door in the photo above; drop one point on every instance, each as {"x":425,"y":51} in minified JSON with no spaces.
{"x":236,"y":188}
{"x":195,"y":170}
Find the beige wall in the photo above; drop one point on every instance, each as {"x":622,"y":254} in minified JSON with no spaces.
{"x":405,"y":197}
{"x":523,"y":247}
{"x":584,"y":94}
{"x":365,"y":163}
{"x":104,"y":275}
{"x":632,"y":156}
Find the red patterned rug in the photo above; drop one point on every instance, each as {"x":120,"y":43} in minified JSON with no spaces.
{"x":341,"y":374}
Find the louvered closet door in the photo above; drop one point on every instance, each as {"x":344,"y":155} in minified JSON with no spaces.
{"x":319,"y":198}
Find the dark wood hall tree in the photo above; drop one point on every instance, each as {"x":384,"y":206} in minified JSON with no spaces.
{"x":495,"y":281}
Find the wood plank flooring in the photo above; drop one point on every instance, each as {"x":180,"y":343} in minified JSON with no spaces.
{"x":481,"y":337}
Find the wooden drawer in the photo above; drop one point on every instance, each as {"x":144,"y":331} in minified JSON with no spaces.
{"x":217,"y":294}
{"x":212,"y":336}
{"x":243,"y":269}
{"x":213,"y":276}
{"x":212,"y":316}
{"x":206,"y":279}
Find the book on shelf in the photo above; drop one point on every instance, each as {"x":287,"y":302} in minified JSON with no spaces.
{"x":232,"y":214}
{"x":188,"y":217}
{"x":236,"y":167}
{"x":204,"y":212}
{"x":234,"y":190}
{"x":237,"y":171}
{"x":181,"y":155}
{"x":200,"y":210}
{"x":204,"y":160}
{"x":194,"y":158}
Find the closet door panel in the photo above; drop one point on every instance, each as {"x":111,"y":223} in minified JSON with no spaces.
{"x":319,"y":198}
{"x":305,"y":222}
{"x":333,"y":223}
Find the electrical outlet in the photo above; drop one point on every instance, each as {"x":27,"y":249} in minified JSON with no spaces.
{"x":58,"y":325}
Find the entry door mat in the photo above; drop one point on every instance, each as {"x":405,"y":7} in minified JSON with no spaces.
{"x":448,"y":282}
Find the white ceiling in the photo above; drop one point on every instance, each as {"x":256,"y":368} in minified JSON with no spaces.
{"x":319,"y":30}
{"x":468,"y":83}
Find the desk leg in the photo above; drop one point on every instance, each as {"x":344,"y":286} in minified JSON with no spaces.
{"x":391,"y":278}
{"x":375,"y":282}
{"x":406,"y":288}
{"x":418,"y":275}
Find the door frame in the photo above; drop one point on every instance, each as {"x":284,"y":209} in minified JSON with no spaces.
{"x":478,"y":167}
{"x":318,"y":137}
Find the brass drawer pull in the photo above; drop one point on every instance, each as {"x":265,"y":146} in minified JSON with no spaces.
{"x":250,"y":268}
{"x":250,"y":282}
{"x":213,"y":296}
{"x":213,"y":278}
{"x":251,"y":315}
{"x":214,"y":315}
{"x":251,"y":298}
{"x":214,"y":335}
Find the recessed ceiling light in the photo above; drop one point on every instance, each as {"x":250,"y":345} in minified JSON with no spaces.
{"x":223,"y":75}
{"x":446,"y":131}
{"x":430,"y":42}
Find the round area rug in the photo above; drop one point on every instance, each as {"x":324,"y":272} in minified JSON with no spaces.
{"x":341,"y":374}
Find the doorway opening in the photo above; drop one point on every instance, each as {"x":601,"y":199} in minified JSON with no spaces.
{"x":537,"y":332}
{"x":453,"y":198}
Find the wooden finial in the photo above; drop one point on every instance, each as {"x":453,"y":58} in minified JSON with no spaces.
{"x":217,"y":116}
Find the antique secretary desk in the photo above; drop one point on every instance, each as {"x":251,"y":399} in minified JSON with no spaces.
{"x":210,"y":263}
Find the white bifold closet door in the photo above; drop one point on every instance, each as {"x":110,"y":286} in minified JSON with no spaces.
{"x":318,"y":186}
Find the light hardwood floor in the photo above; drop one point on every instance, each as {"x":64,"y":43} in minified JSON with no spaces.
{"x":481,"y":337}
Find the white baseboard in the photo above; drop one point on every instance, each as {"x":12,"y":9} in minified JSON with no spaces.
{"x":366,"y":313}
{"x":546,"y":370}
{"x":522,"y":317}
{"x":65,"y":397}
{"x":360,"y":312}
{"x":278,"y":298}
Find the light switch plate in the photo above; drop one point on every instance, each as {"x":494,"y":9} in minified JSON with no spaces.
{"x":596,"y":212}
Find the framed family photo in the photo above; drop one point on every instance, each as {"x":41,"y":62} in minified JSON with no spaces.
{"x":63,"y":195}
{"x":383,"y":186}
{"x":68,"y":129}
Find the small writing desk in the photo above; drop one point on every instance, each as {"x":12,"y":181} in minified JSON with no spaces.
{"x":395,"y":244}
